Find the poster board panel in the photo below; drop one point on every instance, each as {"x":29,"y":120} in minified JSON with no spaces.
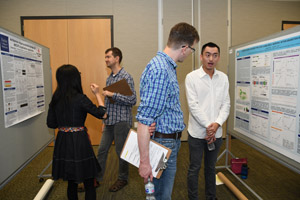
{"x":265,"y":95}
{"x":22,"y":141}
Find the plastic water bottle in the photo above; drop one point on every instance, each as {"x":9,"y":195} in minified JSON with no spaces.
{"x":149,"y":189}
{"x":244,"y":172}
{"x":211,"y":146}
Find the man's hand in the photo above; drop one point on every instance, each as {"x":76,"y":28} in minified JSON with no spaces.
{"x":107,"y":93}
{"x":211,"y":132}
{"x":210,"y":139}
{"x":152,"y":128}
{"x":145,"y":169}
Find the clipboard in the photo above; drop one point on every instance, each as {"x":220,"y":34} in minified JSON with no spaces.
{"x":158,"y":153}
{"x":120,"y":87}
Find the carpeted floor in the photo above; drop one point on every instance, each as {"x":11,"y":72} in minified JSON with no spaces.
{"x":269,"y":179}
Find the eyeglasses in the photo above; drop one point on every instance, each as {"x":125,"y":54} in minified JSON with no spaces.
{"x":193,"y":49}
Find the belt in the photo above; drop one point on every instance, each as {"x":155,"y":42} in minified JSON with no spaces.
{"x":166,"y":135}
{"x":71,"y":129}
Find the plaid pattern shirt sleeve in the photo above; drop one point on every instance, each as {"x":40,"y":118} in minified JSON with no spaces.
{"x":159,"y":92}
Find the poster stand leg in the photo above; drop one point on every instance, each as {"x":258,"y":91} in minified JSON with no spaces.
{"x":227,"y":166}
{"x":41,"y":176}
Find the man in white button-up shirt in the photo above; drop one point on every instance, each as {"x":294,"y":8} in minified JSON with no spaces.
{"x":207,"y":91}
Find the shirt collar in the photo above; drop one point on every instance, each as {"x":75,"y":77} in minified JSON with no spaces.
{"x":171,"y":61}
{"x":203,"y":73}
{"x":114,"y":75}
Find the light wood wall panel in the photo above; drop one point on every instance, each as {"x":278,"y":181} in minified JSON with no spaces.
{"x":52,"y":34}
{"x":88,"y":40}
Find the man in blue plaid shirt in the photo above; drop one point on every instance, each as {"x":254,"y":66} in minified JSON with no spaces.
{"x":160,"y":104}
{"x":119,"y":121}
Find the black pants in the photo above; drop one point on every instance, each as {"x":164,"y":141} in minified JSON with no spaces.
{"x":198,"y":148}
{"x":90,"y":190}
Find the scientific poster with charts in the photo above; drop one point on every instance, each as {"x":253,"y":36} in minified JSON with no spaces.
{"x":267,"y":93}
{"x":22,"y":79}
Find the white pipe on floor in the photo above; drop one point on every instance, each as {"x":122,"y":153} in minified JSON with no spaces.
{"x":44,"y":190}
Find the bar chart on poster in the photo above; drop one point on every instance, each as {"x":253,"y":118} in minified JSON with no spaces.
{"x":265,"y":95}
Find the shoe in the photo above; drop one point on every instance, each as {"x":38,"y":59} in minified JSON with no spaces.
{"x":118,"y":185}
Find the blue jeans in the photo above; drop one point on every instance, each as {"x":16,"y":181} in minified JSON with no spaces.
{"x":164,"y":185}
{"x":197,"y":148}
{"x":118,"y":133}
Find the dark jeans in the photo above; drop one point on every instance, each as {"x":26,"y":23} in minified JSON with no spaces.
{"x":164,"y":185}
{"x":117,"y":133}
{"x":197,"y":148}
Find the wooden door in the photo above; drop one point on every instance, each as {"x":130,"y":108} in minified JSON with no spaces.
{"x":80,"y":42}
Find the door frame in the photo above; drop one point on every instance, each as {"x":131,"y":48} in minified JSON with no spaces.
{"x":23,"y":18}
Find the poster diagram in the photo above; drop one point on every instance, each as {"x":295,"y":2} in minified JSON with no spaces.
{"x":283,"y":127}
{"x":262,"y":60}
{"x":285,"y":72}
{"x":243,"y":93}
{"x":22,"y":79}
{"x":260,"y":86}
{"x":259,"y":125}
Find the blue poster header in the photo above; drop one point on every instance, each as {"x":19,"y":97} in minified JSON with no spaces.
{"x":273,"y":46}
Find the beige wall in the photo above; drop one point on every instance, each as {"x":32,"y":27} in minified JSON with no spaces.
{"x":254,"y":19}
{"x":135,"y":24}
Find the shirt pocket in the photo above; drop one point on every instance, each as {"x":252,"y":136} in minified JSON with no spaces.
{"x":173,"y":90}
{"x":219,"y":93}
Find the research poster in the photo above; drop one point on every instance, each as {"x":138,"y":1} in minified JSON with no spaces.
{"x":267,"y":93}
{"x":22,"y":79}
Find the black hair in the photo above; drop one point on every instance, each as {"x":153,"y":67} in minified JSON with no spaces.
{"x":68,"y":84}
{"x":210,"y":44}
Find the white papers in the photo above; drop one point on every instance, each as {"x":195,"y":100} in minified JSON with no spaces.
{"x":218,"y":181}
{"x":131,"y":154}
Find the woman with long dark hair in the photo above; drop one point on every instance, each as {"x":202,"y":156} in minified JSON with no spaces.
{"x":73,"y":157}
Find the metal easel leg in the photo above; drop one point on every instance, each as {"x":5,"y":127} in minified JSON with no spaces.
{"x":42,"y":175}
{"x":241,"y":181}
{"x":226,"y":152}
{"x":227,"y":166}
